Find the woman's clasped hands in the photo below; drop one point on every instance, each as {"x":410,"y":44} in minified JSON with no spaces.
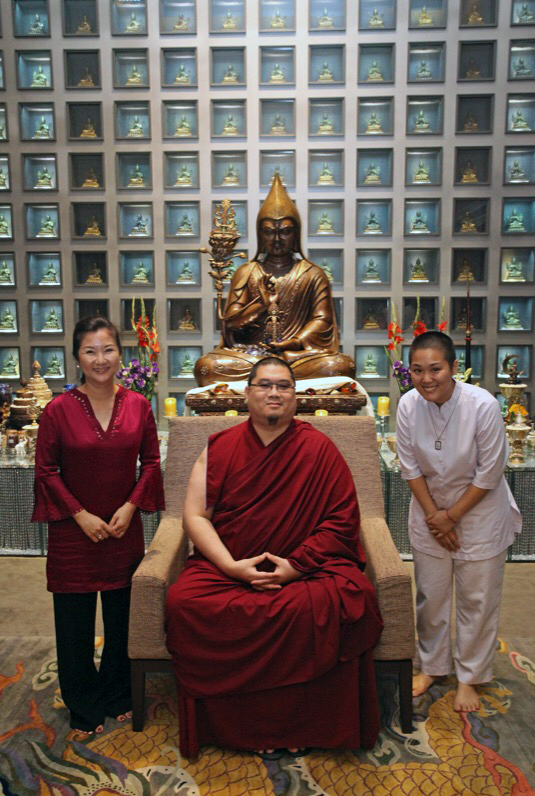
{"x":96,"y":529}
{"x":442,"y":527}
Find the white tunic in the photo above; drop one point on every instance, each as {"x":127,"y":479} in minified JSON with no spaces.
{"x":474,"y":450}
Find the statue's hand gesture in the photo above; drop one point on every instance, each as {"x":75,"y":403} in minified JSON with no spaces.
{"x":268,"y":290}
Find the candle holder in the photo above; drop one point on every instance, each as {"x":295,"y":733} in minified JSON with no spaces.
{"x":517,"y":433}
{"x":392,"y":443}
{"x":383,"y":418}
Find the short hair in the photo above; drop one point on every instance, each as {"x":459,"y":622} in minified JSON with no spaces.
{"x":271,"y":360}
{"x":93,"y":324}
{"x":435,"y":340}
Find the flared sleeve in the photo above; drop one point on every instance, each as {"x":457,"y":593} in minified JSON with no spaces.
{"x":148,"y":493}
{"x":53,"y":501}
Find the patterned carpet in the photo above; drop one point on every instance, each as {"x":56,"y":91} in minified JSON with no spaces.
{"x":490,"y":753}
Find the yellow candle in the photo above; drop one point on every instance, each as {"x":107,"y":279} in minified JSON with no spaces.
{"x":321,"y":412}
{"x":383,"y":406}
{"x":231,"y":412}
{"x":169,"y":407}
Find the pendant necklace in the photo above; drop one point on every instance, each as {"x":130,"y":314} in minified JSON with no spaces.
{"x":438,"y":443}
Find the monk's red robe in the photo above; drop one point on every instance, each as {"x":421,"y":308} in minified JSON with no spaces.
{"x":289,"y":667}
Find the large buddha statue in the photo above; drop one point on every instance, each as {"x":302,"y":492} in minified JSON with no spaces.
{"x":279,"y":303}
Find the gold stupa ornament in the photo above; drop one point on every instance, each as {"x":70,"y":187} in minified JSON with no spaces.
{"x":38,"y":386}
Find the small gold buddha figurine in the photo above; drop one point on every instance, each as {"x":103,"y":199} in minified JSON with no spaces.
{"x":325,"y":225}
{"x":37,"y":28}
{"x":373,"y":124}
{"x":134,"y":25}
{"x":519,"y":122}
{"x":370,"y":365}
{"x":231,"y":176}
{"x":474,"y":17}
{"x":472,"y":70}
{"x":183,"y":175}
{"x":6,"y":277}
{"x":4,"y":226}
{"x":93,"y":229}
{"x":136,"y":180}
{"x":424,"y":18}
{"x":278,"y":128}
{"x":84,"y":27}
{"x":370,"y":321}
{"x":419,"y":222}
{"x":515,"y":222}
{"x":185,"y":227}
{"x":7,"y":320}
{"x":373,"y":175}
{"x":467,"y":222}
{"x":134,"y":77}
{"x":90,"y":179}
{"x":3,"y":132}
{"x":186,"y":273}
{"x":471,"y":125}
{"x":325,"y":126}
{"x":469,"y":173}
{"x":423,"y":72}
{"x":140,"y":228}
{"x":418,"y":271}
{"x":3,"y":179}
{"x":326,"y":176}
{"x":51,"y":321}
{"x":421,"y":175}
{"x":94,"y":276}
{"x":42,"y":130}
{"x":277,"y":22}
{"x":325,"y":21}
{"x":376,"y":19}
{"x":181,"y":23}
{"x":374,"y":73}
{"x":372,"y":226}
{"x":325,"y":74}
{"x":465,"y":273}
{"x":230,"y":75}
{"x":88,"y":130}
{"x":461,"y":367}
{"x":183,"y":128}
{"x":53,"y":367}
{"x":40,"y":79}
{"x":47,"y":228}
{"x":328,"y":270}
{"x":136,"y":129}
{"x":277,"y":75}
{"x":141,"y":275}
{"x":511,"y":318}
{"x":516,"y":172}
{"x":421,"y":123}
{"x":461,"y":319}
{"x":187,"y":322}
{"x":229,"y":22}
{"x":371,"y":272}
{"x":230,"y":127}
{"x":525,"y":15}
{"x":87,"y":80}
{"x":520,"y":68}
{"x":50,"y":275}
{"x":186,"y":367}
{"x":10,"y":368}
{"x":44,"y":178}
{"x":514,"y":271}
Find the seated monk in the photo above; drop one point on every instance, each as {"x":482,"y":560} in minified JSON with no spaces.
{"x":272,"y":623}
{"x":279,"y":303}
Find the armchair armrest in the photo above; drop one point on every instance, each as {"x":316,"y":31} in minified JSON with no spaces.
{"x":393,"y":586}
{"x":160,"y":568}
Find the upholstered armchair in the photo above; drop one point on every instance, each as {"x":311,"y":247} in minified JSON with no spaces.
{"x":357,"y":440}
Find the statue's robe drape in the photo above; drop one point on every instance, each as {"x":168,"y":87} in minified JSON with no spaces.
{"x":291,"y":667}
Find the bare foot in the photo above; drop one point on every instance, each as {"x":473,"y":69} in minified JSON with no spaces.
{"x":466,"y":699}
{"x":421,"y":682}
{"x":86,"y":733}
{"x":124,"y":716}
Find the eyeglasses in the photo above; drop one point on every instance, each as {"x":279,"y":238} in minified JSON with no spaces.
{"x":282,"y":386}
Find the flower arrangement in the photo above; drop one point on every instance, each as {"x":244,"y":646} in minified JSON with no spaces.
{"x":401,"y":373}
{"x":141,"y":373}
{"x":516,"y":409}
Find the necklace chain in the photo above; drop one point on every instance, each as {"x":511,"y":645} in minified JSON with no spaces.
{"x":438,"y":443}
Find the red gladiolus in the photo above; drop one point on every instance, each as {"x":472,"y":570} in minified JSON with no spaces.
{"x":419,"y":328}
{"x":442,"y":326}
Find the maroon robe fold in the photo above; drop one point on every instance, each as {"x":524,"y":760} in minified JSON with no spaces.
{"x":294,"y":498}
{"x":78,"y":465}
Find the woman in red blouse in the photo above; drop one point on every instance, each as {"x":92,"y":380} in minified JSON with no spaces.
{"x":86,"y":488}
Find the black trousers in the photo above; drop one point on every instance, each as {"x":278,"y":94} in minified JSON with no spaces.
{"x":91,"y":694}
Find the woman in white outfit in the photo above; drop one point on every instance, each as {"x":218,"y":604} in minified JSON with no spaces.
{"x":463,"y":517}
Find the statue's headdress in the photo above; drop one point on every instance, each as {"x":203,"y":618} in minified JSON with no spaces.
{"x":278,"y":205}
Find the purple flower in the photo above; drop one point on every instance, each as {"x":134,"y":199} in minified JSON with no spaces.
{"x":135,"y":363}
{"x":128,"y":381}
{"x":141,"y":382}
{"x":155,"y":368}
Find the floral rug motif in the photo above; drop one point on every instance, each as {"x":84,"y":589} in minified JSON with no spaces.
{"x":491,"y":753}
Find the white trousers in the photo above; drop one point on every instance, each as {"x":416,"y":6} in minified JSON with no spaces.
{"x":478,"y":588}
